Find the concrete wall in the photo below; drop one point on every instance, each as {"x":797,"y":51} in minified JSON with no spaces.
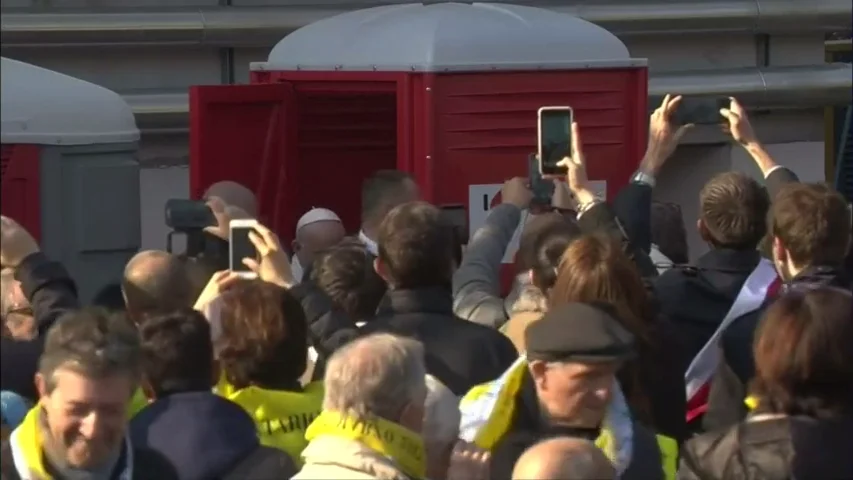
{"x":157,"y":186}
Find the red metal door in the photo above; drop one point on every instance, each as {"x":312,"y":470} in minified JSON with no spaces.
{"x":245,"y":133}
{"x":20,"y":175}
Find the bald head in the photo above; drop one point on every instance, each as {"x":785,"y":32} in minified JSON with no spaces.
{"x":156,"y":281}
{"x":234,"y":194}
{"x":563,"y":458}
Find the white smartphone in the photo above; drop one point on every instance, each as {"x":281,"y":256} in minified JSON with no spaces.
{"x":555,"y":138}
{"x":240,"y":246}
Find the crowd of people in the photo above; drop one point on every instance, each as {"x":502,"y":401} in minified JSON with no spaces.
{"x":396,"y":353}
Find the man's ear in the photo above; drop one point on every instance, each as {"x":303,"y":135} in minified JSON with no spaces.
{"x":295,"y":246}
{"x":703,"y":231}
{"x":41,"y":385}
{"x":380,"y":269}
{"x":779,"y":251}
{"x":537,"y":371}
{"x":412,"y":417}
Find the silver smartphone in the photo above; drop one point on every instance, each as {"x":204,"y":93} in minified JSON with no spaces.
{"x":240,"y":246}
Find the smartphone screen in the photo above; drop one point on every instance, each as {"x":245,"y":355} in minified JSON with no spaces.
{"x":555,"y":138}
{"x":240,"y":247}
{"x":700,"y":110}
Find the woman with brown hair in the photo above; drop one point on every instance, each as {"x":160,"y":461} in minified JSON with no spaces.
{"x":802,"y":426}
{"x":262,"y":351}
{"x":594,"y":268}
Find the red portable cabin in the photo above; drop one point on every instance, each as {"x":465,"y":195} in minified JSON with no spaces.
{"x":446,"y":91}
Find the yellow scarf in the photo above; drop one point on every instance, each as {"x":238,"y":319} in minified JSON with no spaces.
{"x":27,"y":438}
{"x":281,"y":417}
{"x":394,"y":441}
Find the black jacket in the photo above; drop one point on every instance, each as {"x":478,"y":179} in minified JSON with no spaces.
{"x":696,"y":298}
{"x":204,"y":436}
{"x":771,"y":449}
{"x":459,"y":353}
{"x":729,"y":385}
{"x":329,"y":328}
{"x":51,"y":293}
{"x":660,"y":367}
{"x":529,"y":427}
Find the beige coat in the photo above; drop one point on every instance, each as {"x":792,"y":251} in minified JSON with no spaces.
{"x":329,"y":457}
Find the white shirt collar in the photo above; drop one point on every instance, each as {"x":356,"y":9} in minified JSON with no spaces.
{"x":370,"y":244}
{"x":296,"y":269}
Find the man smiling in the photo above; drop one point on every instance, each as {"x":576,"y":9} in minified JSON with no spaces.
{"x":87,"y":375}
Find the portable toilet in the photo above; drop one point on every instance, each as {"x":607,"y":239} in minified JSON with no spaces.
{"x":69,"y":171}
{"x":446,"y":91}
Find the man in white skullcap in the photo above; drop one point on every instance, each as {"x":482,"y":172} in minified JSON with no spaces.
{"x":317,"y":230}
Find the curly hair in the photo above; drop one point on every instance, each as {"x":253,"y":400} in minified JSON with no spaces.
{"x":264,"y":339}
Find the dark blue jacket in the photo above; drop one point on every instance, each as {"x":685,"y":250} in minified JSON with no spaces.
{"x":202,"y":435}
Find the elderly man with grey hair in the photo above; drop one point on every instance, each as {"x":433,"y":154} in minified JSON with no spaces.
{"x":373,"y":413}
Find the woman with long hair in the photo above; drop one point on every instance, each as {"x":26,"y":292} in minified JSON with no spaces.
{"x":595,"y":269}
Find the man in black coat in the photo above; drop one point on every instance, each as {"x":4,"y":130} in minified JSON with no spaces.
{"x":416,"y":259}
{"x":696,"y":298}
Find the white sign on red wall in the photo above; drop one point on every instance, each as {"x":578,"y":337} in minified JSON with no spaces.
{"x":483,"y":198}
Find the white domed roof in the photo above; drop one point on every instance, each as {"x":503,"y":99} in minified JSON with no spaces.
{"x":449,"y":37}
{"x":41,"y":106}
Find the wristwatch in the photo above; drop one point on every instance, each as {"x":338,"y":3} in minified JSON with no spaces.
{"x":642,"y":177}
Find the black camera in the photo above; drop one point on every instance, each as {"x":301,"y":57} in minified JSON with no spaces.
{"x":184,"y":215}
{"x":189,"y":218}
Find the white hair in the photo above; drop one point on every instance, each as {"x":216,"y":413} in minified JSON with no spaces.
{"x":376,"y":375}
{"x":441,"y":413}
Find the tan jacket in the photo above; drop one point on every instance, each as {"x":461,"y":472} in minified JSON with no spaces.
{"x":329,"y":457}
{"x":515,"y":327}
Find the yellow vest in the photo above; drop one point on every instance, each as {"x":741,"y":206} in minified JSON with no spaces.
{"x":281,"y":417}
{"x":487,"y":412}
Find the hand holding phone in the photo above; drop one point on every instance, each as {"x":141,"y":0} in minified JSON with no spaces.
{"x":555,"y":138}
{"x":542,"y":188}
{"x":240,"y":246}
